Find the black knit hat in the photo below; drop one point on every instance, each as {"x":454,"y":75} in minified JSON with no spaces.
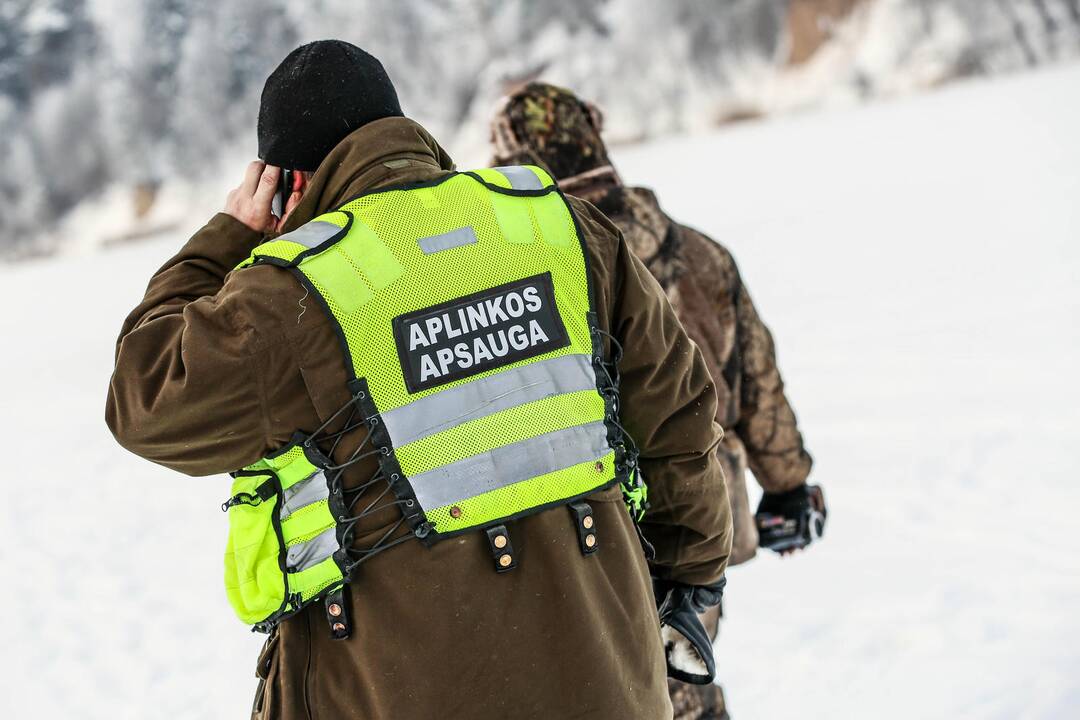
{"x":319,"y":94}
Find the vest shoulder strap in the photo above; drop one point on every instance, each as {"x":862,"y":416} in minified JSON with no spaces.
{"x":517,"y":178}
{"x":326,"y":229}
{"x":307,"y":239}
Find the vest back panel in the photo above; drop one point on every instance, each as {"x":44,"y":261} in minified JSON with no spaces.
{"x":464,"y":313}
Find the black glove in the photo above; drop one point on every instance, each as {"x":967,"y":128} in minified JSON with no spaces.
{"x":791,"y":520}
{"x":687,"y":646}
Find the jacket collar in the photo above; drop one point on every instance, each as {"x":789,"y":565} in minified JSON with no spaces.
{"x":389,"y":151}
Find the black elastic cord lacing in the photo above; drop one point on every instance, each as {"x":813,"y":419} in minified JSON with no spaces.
{"x":610,"y":368}
{"x":356,"y":457}
{"x":353,"y":494}
{"x":332,"y":418}
{"x":365,"y":554}
{"x":349,"y":427}
{"x":616,"y":357}
{"x":371,"y":504}
{"x":357,"y":491}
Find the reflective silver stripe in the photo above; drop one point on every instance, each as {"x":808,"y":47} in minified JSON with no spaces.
{"x":314,"y":551}
{"x":313,"y":234}
{"x":446,"y":241}
{"x":509,"y":464}
{"x":304,"y":493}
{"x":521,"y":178}
{"x":489,"y":395}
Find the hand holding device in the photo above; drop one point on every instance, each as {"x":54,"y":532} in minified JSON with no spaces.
{"x":791,"y":520}
{"x":251,"y":201}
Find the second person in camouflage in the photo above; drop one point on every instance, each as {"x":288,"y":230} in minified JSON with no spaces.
{"x":549,"y":126}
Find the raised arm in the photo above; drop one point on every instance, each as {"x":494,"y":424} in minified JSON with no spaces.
{"x":183,"y":357}
{"x":185,"y":391}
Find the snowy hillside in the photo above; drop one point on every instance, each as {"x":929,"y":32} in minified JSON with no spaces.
{"x":136,"y":95}
{"x":918,"y":263}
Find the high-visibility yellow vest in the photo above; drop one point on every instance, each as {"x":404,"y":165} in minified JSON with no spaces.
{"x":466,"y":320}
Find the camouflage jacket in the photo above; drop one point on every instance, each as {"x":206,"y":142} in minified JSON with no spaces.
{"x":702,"y":281}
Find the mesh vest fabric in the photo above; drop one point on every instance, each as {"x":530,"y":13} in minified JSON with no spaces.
{"x":499,"y":420}
{"x":283,"y":549}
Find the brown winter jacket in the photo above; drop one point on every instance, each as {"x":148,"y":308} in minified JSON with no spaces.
{"x":704,"y":286}
{"x":216,"y":369}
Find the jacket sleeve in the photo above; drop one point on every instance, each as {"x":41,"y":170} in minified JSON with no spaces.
{"x":766,"y":424}
{"x":184,"y":392}
{"x":668,"y":406}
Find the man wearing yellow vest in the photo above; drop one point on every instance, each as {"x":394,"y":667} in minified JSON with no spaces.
{"x":463,"y":423}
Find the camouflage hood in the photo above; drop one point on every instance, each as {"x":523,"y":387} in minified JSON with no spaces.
{"x":545,"y":125}
{"x":541,"y":124}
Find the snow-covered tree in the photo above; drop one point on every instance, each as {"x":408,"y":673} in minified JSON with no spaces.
{"x":225,"y":57}
{"x":94,"y":92}
{"x":149,"y":84}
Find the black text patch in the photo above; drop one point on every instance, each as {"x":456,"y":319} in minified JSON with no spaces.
{"x":479,"y":332}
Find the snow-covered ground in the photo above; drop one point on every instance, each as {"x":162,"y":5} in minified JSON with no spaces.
{"x":918,"y":262}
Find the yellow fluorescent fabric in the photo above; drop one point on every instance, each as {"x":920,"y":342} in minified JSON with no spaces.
{"x":258,"y":583}
{"x":373,"y":259}
{"x":503,"y":428}
{"x":554,"y":486}
{"x":306,"y":523}
{"x":253,"y":580}
{"x":399,"y":219}
{"x":309,"y":583}
{"x":339,"y":281}
{"x":417,"y":252}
